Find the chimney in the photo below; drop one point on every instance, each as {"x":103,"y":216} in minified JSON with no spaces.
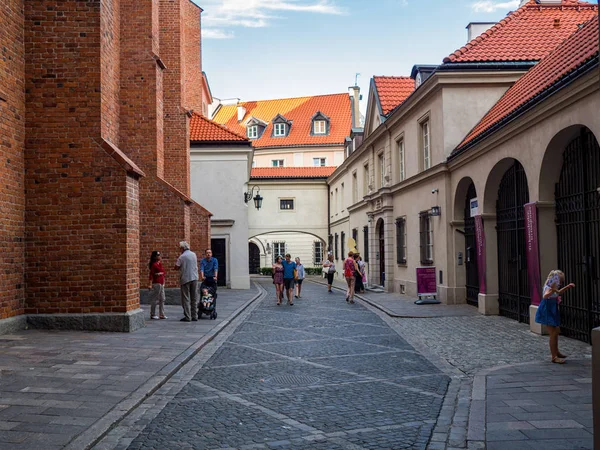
{"x":474,"y":29}
{"x":355,"y":96}
{"x":241,"y":113}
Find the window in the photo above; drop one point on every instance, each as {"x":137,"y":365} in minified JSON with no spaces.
{"x":381,"y":170}
{"x":342,"y":198}
{"x":278,"y":249}
{"x":319,"y":162}
{"x":337,"y":255}
{"x":401,"y":240}
{"x":426,"y":232}
{"x":426,"y":145}
{"x":337,"y":201}
{"x":355,"y":237}
{"x":354,"y":188}
{"x":279,"y":129}
{"x":317,"y":253}
{"x":366,"y":245}
{"x":319,"y":127}
{"x":366,"y":180}
{"x":253,"y":164}
{"x":286,"y":204}
{"x":330,"y":244}
{"x":252,"y":132}
{"x":277,"y":162}
{"x":401,"y":172}
{"x":343,"y":240}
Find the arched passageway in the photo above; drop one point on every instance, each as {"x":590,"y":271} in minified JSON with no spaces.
{"x":254,"y":258}
{"x":471,"y":270}
{"x":381,"y":240}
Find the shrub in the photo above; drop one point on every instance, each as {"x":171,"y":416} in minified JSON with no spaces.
{"x":313,"y":270}
{"x":266,"y":271}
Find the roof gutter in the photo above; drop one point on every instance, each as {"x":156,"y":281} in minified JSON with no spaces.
{"x":493,"y":65}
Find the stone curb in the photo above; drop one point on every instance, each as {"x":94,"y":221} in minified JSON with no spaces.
{"x":102,"y":427}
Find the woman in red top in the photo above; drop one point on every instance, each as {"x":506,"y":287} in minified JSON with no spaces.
{"x":157,"y":286}
{"x":350,"y":269}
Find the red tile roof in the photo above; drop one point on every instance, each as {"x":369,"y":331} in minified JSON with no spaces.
{"x":204,"y":130}
{"x":580,"y":48}
{"x":392,"y":91}
{"x":298,"y":110}
{"x":527,"y":34}
{"x":292,"y":172}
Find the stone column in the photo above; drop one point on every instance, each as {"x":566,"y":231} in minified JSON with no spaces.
{"x":488,"y":295}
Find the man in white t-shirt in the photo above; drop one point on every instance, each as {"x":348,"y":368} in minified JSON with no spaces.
{"x":187,"y":264}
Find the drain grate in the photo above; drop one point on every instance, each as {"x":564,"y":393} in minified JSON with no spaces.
{"x":292,"y":380}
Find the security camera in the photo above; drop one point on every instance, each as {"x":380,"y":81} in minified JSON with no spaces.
{"x":433,"y":191}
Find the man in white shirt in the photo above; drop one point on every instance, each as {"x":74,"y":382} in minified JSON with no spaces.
{"x":187,"y":264}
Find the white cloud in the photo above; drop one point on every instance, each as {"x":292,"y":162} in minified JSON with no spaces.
{"x":489,"y":6}
{"x":211,"y":33}
{"x":220,"y":15}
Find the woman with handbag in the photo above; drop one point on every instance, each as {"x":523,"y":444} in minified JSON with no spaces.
{"x":350,"y":268}
{"x":329,"y":265}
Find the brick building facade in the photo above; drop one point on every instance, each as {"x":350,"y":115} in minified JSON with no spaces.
{"x":94,"y":156}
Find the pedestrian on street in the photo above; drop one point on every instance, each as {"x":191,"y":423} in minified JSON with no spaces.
{"x":330,"y":266}
{"x":187,"y":264}
{"x":278,"y":279}
{"x":209,"y":270}
{"x":358,"y":284}
{"x":299,"y":277}
{"x":350,"y":268}
{"x":157,"y":286}
{"x":548,"y":312}
{"x":289,"y":267}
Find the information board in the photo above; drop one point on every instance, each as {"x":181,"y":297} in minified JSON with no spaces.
{"x":426,"y":281}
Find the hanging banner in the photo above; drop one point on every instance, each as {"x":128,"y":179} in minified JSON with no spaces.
{"x":480,"y":248}
{"x":532,"y":252}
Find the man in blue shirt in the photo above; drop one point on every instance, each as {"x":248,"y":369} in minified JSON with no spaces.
{"x":209,"y":269}
{"x":288,"y":276}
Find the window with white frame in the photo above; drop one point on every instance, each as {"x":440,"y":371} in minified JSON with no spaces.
{"x":277,"y":162}
{"x":286,"y":204}
{"x":337,"y":201}
{"x":381,"y":170}
{"x":426,"y":232}
{"x":401,"y":166}
{"x":354,"y":188}
{"x":278,"y":249}
{"x":279,"y":129}
{"x":366,"y":180}
{"x":319,"y":127}
{"x":401,"y":240}
{"x":426,"y":144}
{"x":317,"y":253}
{"x":252,"y":132}
{"x":319,"y":162}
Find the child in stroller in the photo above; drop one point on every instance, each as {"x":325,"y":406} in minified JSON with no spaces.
{"x":208,"y":301}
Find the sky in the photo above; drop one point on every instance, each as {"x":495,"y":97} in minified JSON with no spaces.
{"x":265,"y":49}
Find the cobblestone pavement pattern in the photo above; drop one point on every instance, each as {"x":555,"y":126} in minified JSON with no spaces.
{"x":321,"y":374}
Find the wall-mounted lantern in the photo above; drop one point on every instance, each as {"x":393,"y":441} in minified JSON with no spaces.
{"x":257,"y":198}
{"x":435,"y":211}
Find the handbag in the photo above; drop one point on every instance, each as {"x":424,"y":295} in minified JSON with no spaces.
{"x":295,"y":274}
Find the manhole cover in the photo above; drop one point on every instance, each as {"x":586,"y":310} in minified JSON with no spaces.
{"x":292,"y":380}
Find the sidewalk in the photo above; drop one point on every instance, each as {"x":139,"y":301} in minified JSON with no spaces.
{"x":67,"y":388}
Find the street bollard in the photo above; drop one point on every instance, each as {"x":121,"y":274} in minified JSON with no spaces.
{"x":596,"y":385}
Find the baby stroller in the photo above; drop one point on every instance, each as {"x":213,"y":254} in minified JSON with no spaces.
{"x":211,"y":311}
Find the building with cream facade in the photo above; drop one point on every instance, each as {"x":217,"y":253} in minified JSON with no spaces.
{"x":488,"y":170}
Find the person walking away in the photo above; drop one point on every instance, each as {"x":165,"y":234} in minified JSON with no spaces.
{"x":157,"y":286}
{"x":278,"y":279}
{"x":187,"y":264}
{"x":358,"y":284}
{"x":209,"y":270}
{"x":329,"y":264}
{"x":350,"y":268}
{"x":548,"y":312}
{"x":289,"y":267}
{"x":299,"y":277}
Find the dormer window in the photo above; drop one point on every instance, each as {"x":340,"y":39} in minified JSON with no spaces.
{"x":255,"y":128}
{"x":320,"y":124}
{"x":253,"y":132}
{"x":281,"y":126}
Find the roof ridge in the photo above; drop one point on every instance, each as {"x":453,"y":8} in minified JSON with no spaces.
{"x":290,"y":98}
{"x":393,"y":76}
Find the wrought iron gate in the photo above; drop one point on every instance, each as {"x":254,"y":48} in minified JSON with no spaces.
{"x":514,"y":297}
{"x":472,"y":284}
{"x":578,"y":235}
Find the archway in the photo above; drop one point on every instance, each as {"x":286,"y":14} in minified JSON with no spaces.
{"x":577,"y":200}
{"x":470,"y":259}
{"x":381,"y":239}
{"x":513,"y":284}
{"x":254,"y":258}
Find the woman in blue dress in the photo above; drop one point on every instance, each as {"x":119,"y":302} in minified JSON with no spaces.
{"x":548,"y":313}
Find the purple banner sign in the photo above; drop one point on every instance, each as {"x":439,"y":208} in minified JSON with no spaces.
{"x":426,"y":282}
{"x":532,"y":252}
{"x":480,"y":248}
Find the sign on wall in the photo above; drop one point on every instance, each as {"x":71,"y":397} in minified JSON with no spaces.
{"x":474,"y":204}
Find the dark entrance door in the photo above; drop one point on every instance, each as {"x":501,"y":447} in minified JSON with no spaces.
{"x":254,"y":258}
{"x":381,"y":254}
{"x":514,"y":296}
{"x":470,"y":255}
{"x":219,"y":249}
{"x":578,"y":235}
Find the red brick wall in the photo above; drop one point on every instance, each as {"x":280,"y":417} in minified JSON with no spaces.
{"x":199,"y":228}
{"x":193,"y":60}
{"x":12,"y":141}
{"x":110,"y":53}
{"x":77,"y":205}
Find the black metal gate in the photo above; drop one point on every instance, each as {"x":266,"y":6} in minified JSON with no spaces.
{"x":514,"y":297}
{"x":472,"y":284}
{"x":254,"y":258}
{"x":578,"y":235}
{"x":219,"y":249}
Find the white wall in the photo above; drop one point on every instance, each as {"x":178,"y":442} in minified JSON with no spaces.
{"x":218,"y":181}
{"x":299,"y":157}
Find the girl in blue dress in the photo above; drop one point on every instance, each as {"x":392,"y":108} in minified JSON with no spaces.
{"x":548,"y":313}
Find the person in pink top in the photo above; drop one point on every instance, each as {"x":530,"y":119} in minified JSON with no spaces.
{"x":350,"y":268}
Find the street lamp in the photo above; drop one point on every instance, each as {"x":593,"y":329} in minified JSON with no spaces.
{"x":257,"y":198}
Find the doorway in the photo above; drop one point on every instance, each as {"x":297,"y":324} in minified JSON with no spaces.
{"x":472,"y":281}
{"x":381,"y":232}
{"x":219,"y":249}
{"x":254,"y":258}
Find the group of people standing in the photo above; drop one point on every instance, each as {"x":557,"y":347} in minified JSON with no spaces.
{"x":287,"y":275}
{"x":354,"y":273}
{"x":187,"y":265}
